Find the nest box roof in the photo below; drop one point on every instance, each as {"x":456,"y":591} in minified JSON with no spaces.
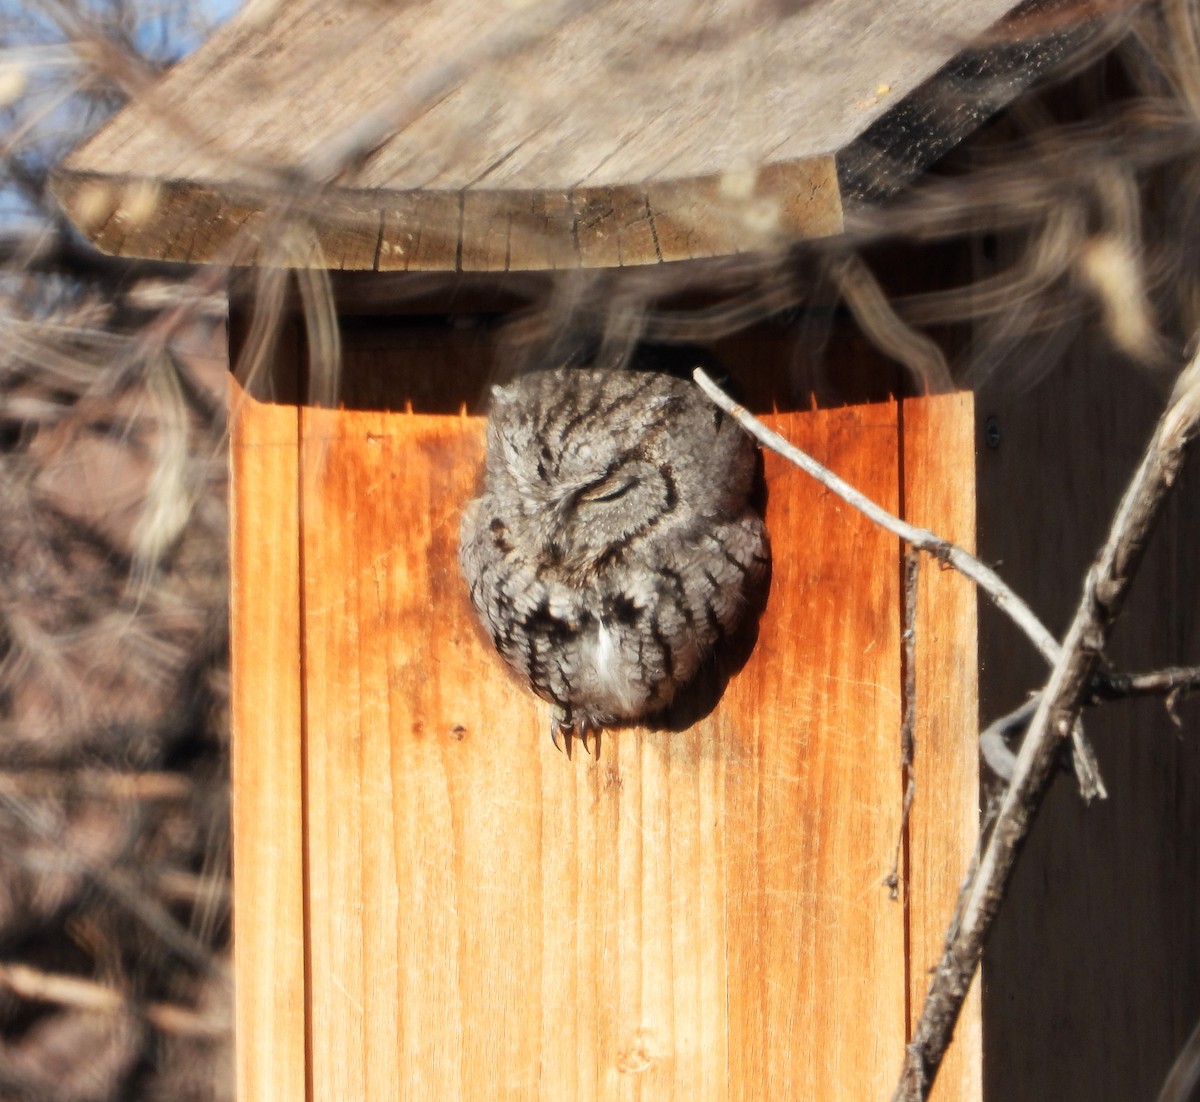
{"x":527,"y":134}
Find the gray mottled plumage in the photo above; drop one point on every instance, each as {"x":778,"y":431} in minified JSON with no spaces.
{"x":615,"y":542}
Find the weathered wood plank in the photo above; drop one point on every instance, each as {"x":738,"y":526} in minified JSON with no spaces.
{"x":694,"y":915}
{"x":420,"y":233}
{"x":682,"y":916}
{"x":389,"y":117}
{"x":268,"y":826}
{"x":472,"y":231}
{"x":938,"y":442}
{"x":468,"y":95}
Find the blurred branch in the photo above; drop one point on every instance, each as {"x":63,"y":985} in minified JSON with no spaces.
{"x":1181,"y":1080}
{"x":80,"y":994}
{"x":108,"y":55}
{"x":118,"y":884}
{"x":107,"y":783}
{"x":51,"y":252}
{"x":891,"y":334}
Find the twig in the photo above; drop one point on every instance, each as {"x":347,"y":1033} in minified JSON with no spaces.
{"x":1057,"y":712}
{"x":994,"y":742}
{"x":943,"y":550}
{"x":1087,"y":770}
{"x":82,"y":994}
{"x":1087,"y":767}
{"x":908,"y":740}
{"x":1174,"y":680}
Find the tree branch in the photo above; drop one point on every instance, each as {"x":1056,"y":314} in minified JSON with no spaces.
{"x":943,"y":550}
{"x":1057,"y":712}
{"x":1172,"y":681}
{"x":1002,"y":596}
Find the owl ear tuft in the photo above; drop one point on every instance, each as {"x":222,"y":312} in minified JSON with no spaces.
{"x":501,"y":396}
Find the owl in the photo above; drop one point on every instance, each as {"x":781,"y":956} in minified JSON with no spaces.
{"x":615,"y":542}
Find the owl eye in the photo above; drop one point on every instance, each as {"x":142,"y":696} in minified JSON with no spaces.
{"x":609,"y":489}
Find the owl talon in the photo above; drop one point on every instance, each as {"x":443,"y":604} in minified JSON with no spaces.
{"x":560,"y":734}
{"x":564,"y":729}
{"x":591,"y":731}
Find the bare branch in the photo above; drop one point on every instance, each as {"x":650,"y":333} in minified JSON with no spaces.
{"x":1087,"y":768}
{"x":908,"y":739}
{"x":1057,"y":712}
{"x":921,"y":538}
{"x":1172,"y":681}
{"x":994,"y":742}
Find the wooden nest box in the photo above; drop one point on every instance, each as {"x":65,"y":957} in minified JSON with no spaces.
{"x":430,"y":900}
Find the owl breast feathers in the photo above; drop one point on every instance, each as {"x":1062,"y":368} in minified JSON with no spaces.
{"x":615,"y":542}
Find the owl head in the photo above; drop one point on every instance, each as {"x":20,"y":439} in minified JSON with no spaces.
{"x":586,"y":481}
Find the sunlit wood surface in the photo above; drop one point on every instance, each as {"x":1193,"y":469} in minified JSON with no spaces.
{"x":692,"y":915}
{"x":469,"y":135}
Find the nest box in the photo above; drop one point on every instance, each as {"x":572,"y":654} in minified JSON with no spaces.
{"x":430,"y":900}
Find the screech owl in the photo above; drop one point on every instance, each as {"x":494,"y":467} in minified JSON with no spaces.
{"x":615,"y":542}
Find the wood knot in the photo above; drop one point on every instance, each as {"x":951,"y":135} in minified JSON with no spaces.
{"x":640,"y":1054}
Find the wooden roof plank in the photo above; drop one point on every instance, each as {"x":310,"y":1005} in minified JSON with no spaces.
{"x":420,"y":232}
{"x":619,"y":92}
{"x":462,"y":135}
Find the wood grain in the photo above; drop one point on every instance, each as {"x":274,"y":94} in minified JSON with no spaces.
{"x":937,"y":441}
{"x":625,"y":92}
{"x":462,"y":135}
{"x":693,"y":915}
{"x":269,"y":911}
{"x":471,"y":231}
{"x":676,"y":920}
{"x":812,"y":804}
